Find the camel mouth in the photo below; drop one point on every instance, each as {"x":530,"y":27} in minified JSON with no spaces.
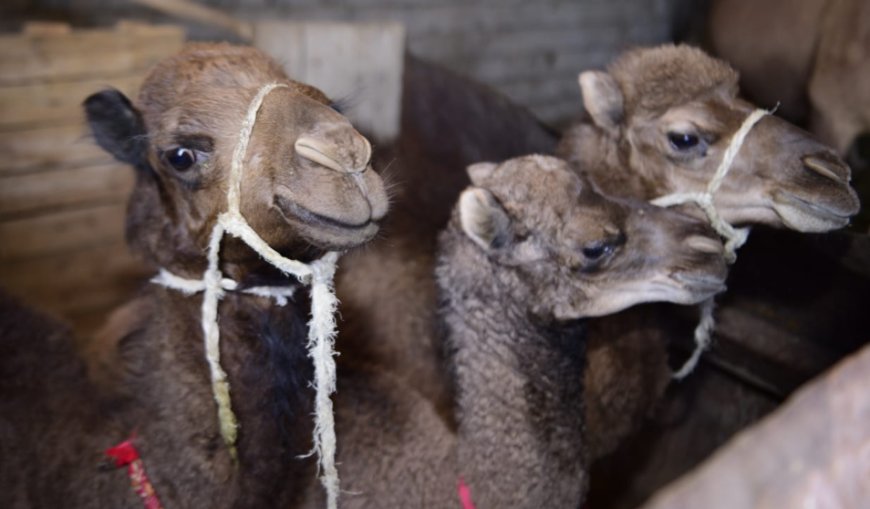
{"x":329,"y":230}
{"x":805,"y":216}
{"x":677,"y":288}
{"x":700,"y":286}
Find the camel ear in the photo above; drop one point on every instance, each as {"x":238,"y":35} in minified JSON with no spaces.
{"x":602,"y":98}
{"x":483,"y":219}
{"x":117,"y":126}
{"x":479,"y":172}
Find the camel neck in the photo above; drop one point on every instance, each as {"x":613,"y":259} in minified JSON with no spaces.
{"x":266,"y":362}
{"x":606,"y":162}
{"x":519,"y":405}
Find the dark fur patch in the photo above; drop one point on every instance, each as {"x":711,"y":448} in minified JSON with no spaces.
{"x":283,"y":335}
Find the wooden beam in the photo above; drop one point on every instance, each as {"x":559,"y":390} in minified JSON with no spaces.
{"x":42,"y":192}
{"x":49,"y":147}
{"x":61,"y":232}
{"x":84,"y":54}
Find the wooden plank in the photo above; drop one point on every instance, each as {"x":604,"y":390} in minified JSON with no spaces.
{"x":43,"y":28}
{"x":61,"y":232}
{"x":46,"y":57}
{"x":77,"y":281}
{"x":49,"y":147}
{"x":43,"y":103}
{"x":41,"y":192}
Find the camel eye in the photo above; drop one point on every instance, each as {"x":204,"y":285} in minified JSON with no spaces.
{"x":683,"y":141}
{"x":180,"y":158}
{"x":597,"y":250}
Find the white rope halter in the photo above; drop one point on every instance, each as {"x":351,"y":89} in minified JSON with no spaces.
{"x":321,"y":328}
{"x":734,"y":237}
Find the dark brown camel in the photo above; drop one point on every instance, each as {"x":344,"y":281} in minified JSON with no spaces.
{"x":307,"y":188}
{"x":529,"y":252}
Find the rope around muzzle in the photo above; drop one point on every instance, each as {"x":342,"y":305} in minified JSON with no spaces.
{"x":734,"y":237}
{"x":321,"y":327}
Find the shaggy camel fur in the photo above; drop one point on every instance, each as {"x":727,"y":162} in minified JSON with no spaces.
{"x":810,"y":55}
{"x":307,"y":188}
{"x":668,"y":114}
{"x":530,"y":250}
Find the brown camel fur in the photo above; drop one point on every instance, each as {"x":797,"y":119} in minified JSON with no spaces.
{"x":427,"y":164}
{"x":813,"y":56}
{"x":668,"y":114}
{"x":529,"y":252}
{"x":56,"y":420}
{"x":625,"y":377}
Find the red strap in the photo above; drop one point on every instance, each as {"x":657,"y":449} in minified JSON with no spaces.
{"x":125,"y":454}
{"x":464,"y":493}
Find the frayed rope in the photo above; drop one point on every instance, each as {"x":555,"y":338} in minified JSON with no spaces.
{"x":321,"y":328}
{"x":734,"y":237}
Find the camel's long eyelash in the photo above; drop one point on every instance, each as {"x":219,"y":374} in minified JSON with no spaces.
{"x":337,"y":107}
{"x":344,"y":104}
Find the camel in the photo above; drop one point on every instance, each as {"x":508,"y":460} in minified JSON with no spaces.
{"x":308,"y":188}
{"x":529,"y":252}
{"x":667,"y":114}
{"x":625,"y":378}
{"x":820,"y":78}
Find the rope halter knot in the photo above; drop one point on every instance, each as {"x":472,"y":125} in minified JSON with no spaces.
{"x":734,"y":237}
{"x":321,"y":328}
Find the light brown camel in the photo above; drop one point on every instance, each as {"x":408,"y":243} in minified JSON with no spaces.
{"x":307,"y":188}
{"x":530,"y":251}
{"x":666,"y":115}
{"x":813,"y":56}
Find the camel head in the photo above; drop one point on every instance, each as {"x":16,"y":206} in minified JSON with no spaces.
{"x":307,"y":184}
{"x":667,"y":114}
{"x":567,"y":252}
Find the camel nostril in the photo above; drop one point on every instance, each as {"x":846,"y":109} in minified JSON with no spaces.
{"x":318,"y":152}
{"x":704,"y":244}
{"x":833,"y":170}
{"x":366,"y":156}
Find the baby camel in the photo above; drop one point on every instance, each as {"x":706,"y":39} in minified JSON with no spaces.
{"x":660,"y":121}
{"x":529,"y":252}
{"x":307,"y":188}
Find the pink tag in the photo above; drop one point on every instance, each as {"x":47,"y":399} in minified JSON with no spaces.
{"x":464,"y":494}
